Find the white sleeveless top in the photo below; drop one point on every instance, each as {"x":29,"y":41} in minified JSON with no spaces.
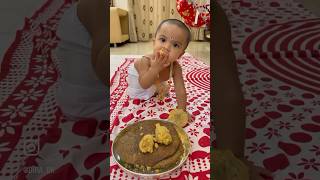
{"x":134,"y":88}
{"x":80,"y":93}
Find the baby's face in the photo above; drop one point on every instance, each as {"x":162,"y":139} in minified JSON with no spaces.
{"x":170,"y":38}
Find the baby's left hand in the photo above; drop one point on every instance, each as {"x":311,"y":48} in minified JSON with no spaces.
{"x":190,"y":119}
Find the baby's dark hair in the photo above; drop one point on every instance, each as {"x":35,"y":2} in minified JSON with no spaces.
{"x":179,"y":24}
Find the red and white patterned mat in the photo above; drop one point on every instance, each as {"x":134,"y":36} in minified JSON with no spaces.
{"x":277,"y":50}
{"x":36,"y":141}
{"x":125,"y":111}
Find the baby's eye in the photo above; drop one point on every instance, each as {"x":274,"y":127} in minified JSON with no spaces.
{"x":176,"y":45}
{"x":162,"y":39}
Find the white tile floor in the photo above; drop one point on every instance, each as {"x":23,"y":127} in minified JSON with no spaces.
{"x":12,"y":15}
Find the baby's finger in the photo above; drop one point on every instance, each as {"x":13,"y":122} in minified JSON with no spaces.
{"x":165,"y":61}
{"x":166,"y":58}
{"x":166,"y":55}
{"x":159,"y":56}
{"x":165,"y":50}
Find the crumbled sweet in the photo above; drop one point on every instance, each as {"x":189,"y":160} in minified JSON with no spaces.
{"x":162,"y":135}
{"x":179,"y":117}
{"x":146,"y":143}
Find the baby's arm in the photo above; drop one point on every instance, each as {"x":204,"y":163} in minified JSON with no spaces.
{"x":179,"y":87}
{"x":149,"y":70}
{"x":147,"y":74}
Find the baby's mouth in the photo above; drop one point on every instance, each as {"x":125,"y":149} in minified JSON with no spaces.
{"x":162,"y":50}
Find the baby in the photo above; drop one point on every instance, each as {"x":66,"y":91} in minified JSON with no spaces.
{"x":148,"y":75}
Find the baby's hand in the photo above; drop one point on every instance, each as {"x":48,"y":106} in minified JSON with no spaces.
{"x":163,"y":51}
{"x":161,"y":59}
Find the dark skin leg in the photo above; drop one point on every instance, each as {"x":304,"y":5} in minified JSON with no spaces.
{"x":228,"y":108}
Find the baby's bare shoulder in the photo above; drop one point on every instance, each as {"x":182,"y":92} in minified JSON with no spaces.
{"x":141,"y":64}
{"x":141,"y":61}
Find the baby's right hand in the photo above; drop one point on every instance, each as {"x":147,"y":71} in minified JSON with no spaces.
{"x":161,"y":60}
